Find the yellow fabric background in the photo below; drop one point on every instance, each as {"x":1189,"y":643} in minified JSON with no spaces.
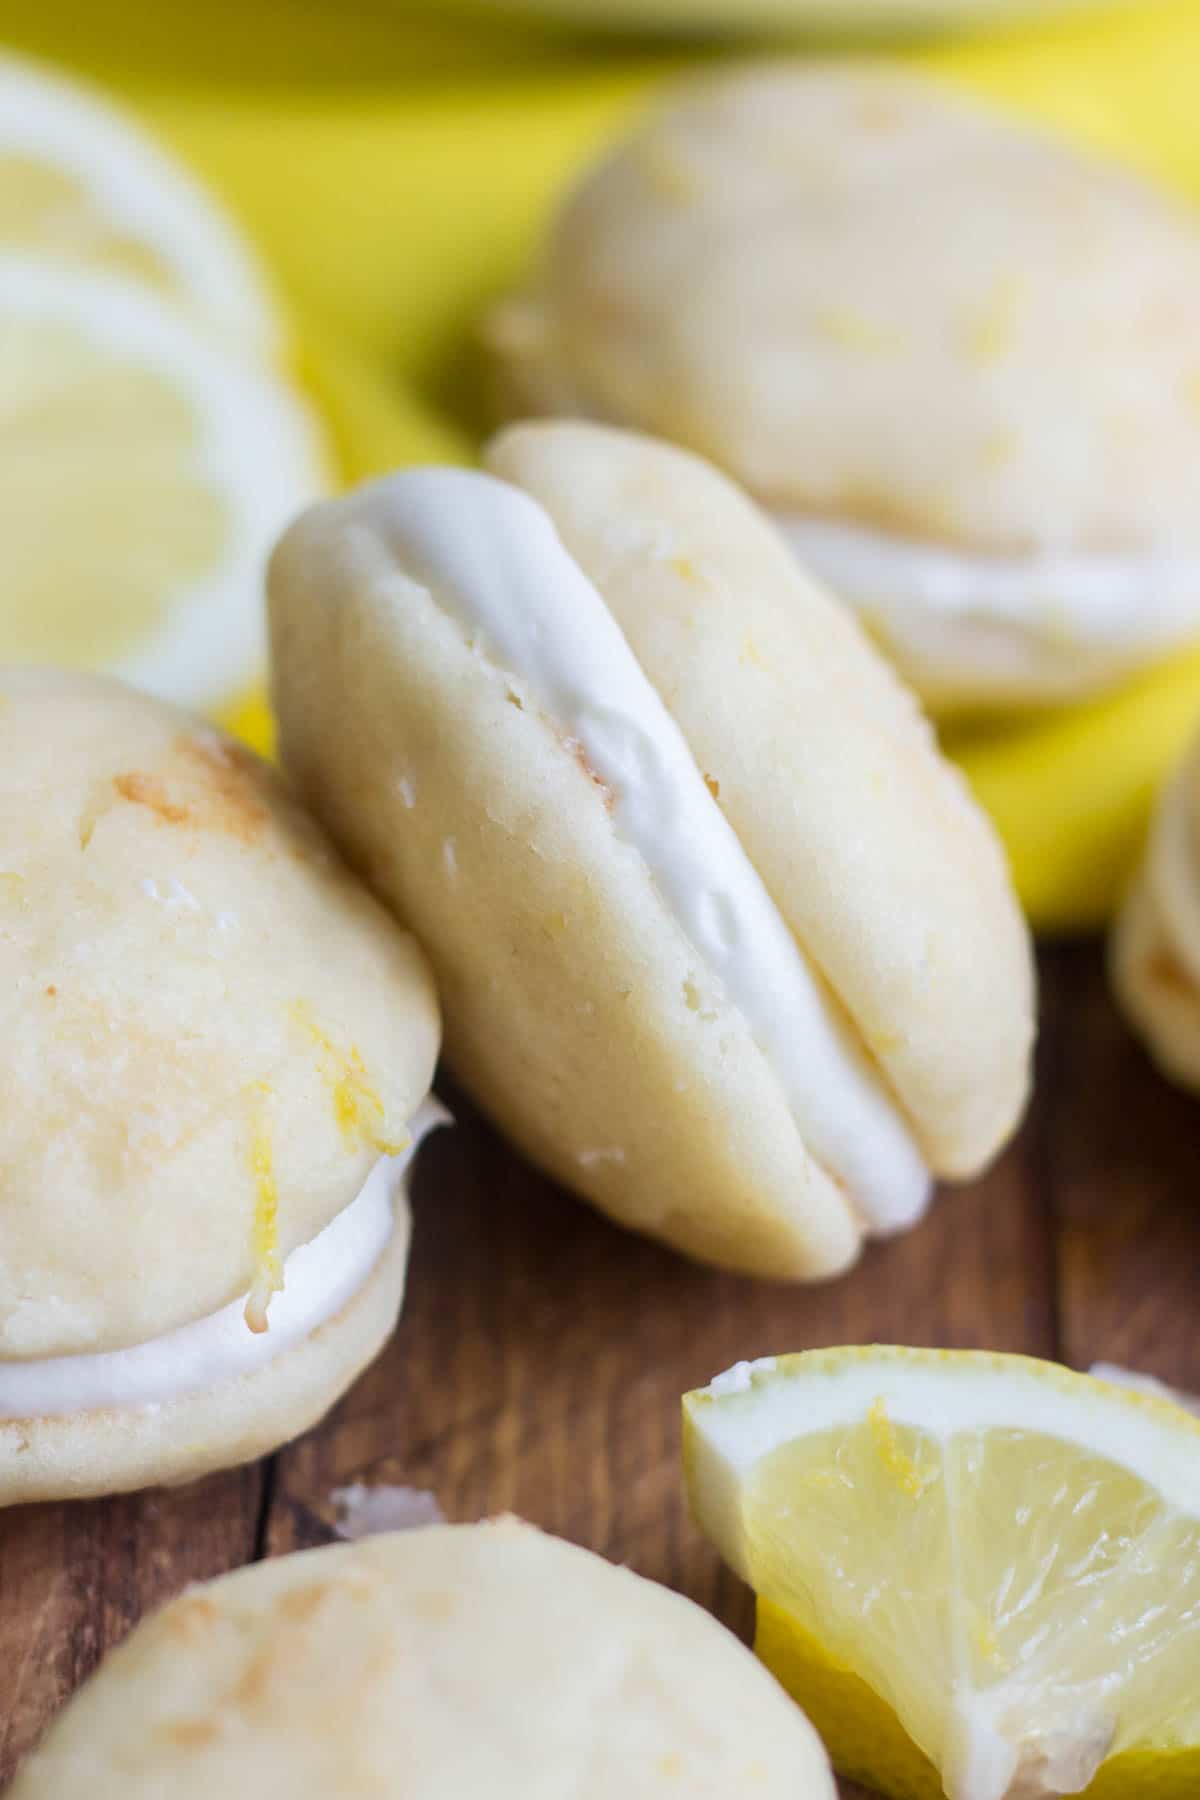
{"x":395,"y":169}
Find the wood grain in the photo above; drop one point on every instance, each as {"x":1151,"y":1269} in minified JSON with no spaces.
{"x":74,"y":1578}
{"x":540,"y":1361}
{"x":1125,"y":1181}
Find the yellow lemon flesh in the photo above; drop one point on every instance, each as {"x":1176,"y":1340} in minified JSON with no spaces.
{"x":147,"y":471}
{"x":980,"y":1575}
{"x":82,"y":184}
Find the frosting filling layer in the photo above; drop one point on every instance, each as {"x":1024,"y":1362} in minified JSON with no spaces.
{"x":319,"y":1278}
{"x":977,"y":627}
{"x":489,"y":555}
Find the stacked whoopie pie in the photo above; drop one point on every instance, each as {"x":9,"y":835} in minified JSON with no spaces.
{"x":720,"y":939}
{"x":219,"y":1051}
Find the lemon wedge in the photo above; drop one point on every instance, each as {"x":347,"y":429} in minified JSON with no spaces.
{"x":81,"y":183}
{"x":980,"y":1575}
{"x":147,"y":470}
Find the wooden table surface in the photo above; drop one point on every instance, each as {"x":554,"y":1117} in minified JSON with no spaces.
{"x":542,"y":1353}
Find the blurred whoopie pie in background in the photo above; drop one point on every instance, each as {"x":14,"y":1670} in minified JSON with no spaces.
{"x":957,"y":360}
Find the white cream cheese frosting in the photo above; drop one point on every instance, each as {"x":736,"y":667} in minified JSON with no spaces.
{"x":319,"y":1278}
{"x":973,"y":629}
{"x":489,"y":555}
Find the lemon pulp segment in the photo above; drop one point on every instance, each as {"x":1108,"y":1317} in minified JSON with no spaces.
{"x":49,"y":208}
{"x":105,"y":509}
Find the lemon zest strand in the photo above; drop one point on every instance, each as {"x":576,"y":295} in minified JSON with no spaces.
{"x":268,"y":1270}
{"x":357,"y":1107}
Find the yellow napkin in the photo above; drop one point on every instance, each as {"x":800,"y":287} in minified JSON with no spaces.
{"x":397,"y":168}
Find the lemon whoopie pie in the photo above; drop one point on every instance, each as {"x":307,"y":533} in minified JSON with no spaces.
{"x":430,"y":1665}
{"x":958,"y":361}
{"x":218,"y":1051}
{"x":720,"y":939}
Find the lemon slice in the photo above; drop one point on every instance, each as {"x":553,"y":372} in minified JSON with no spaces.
{"x":80,"y":183}
{"x":980,"y":1575}
{"x":146,"y":472}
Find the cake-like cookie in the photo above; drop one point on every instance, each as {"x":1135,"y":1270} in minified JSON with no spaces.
{"x":455,"y":1661}
{"x":958,"y":361}
{"x":1155,"y":948}
{"x":721,"y":940}
{"x":218,"y":1051}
